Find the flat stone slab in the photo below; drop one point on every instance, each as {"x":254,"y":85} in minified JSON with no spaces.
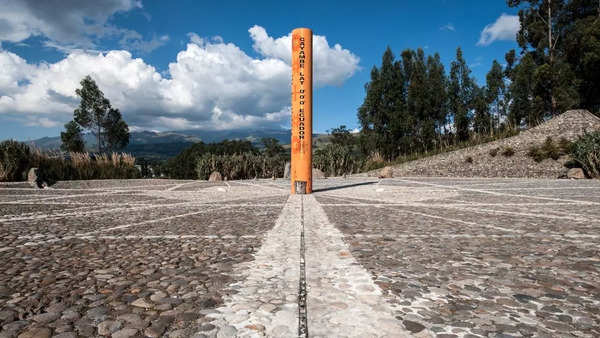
{"x":424,"y":257}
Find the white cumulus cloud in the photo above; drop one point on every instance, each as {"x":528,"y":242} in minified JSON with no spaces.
{"x":332,"y":65}
{"x":504,"y":28}
{"x":211,"y":84}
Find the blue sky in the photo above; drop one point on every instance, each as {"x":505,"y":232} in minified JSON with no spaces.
{"x":172,"y":65}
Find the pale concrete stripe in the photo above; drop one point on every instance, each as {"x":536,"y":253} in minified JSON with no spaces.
{"x":500,"y":193}
{"x":342,"y":298}
{"x":268,"y":292}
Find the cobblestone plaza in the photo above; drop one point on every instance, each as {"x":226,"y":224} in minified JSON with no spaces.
{"x":424,"y":257}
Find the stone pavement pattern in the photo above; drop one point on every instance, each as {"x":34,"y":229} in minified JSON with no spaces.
{"x":425,"y":257}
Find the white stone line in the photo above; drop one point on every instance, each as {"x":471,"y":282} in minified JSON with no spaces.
{"x":342,"y":298}
{"x":133,"y":187}
{"x":115,"y":189}
{"x":80,"y":203}
{"x":570,"y":235}
{"x":266,"y":297}
{"x":181,"y":185}
{"x":126,"y":209}
{"x":62,"y":196}
{"x":502,"y":194}
{"x":143,"y":237}
{"x":442,"y":204}
{"x":125,"y":226}
{"x":444,"y":219}
{"x":516,"y":213}
{"x":463,"y":202}
{"x":543,"y":188}
{"x":469,"y":207}
{"x":259,"y":185}
{"x":52,"y":239}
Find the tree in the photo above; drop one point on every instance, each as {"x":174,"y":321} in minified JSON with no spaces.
{"x":417,"y":101}
{"x":460,"y":93}
{"x":437,"y":95}
{"x":551,"y":32}
{"x":71,"y":138}
{"x":481,"y":109}
{"x":272,"y":146}
{"x":521,"y":89}
{"x":96,"y":115}
{"x":342,"y":136}
{"x":117,"y":131}
{"x":380,"y":115}
{"x":495,"y":95}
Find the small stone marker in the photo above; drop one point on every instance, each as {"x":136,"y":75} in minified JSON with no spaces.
{"x":317,"y":173}
{"x":575,"y":173}
{"x":386,"y":172}
{"x":34,"y":179}
{"x":286,"y":170}
{"x":215,"y":176}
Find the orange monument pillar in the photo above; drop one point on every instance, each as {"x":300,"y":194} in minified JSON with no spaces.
{"x":301,"y":165}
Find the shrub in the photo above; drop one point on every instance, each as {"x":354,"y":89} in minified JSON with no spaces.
{"x":373,"y":162}
{"x":550,"y":149}
{"x":15,"y":160}
{"x":336,"y":160}
{"x":536,"y":153}
{"x":241,"y":166}
{"x":469,"y":159}
{"x":493,"y":152}
{"x":565,"y":145}
{"x":586,"y":152}
{"x":508,"y":152}
{"x":184,"y":165}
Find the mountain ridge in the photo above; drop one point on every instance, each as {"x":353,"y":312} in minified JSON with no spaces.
{"x":144,"y":143}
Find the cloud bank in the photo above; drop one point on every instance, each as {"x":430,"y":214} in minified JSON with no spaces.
{"x":71,"y":24}
{"x":211,"y":85}
{"x":505,"y":27}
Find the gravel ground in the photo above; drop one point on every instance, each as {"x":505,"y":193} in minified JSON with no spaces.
{"x":427,"y":257}
{"x":500,"y":258}
{"x":123,"y":258}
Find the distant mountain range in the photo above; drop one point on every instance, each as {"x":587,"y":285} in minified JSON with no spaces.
{"x":162,"y":145}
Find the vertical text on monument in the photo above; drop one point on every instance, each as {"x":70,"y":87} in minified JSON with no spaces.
{"x":301,"y":164}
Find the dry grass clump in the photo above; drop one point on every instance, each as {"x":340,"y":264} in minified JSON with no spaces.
{"x":337,"y":160}
{"x":17,"y":158}
{"x":508,"y":152}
